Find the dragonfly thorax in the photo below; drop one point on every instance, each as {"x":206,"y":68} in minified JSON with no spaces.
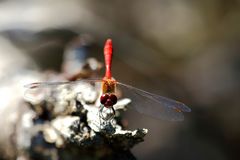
{"x":108,"y":85}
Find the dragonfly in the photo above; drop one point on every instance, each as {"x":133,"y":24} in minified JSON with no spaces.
{"x":142,"y":101}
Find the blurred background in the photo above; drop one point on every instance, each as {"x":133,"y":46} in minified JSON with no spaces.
{"x":182,"y":49}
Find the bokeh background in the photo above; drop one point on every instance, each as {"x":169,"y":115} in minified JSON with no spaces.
{"x":182,"y":49}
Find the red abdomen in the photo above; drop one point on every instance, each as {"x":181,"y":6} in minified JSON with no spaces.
{"x":108,"y":51}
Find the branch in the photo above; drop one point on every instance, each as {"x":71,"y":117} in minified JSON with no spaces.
{"x":66,"y":122}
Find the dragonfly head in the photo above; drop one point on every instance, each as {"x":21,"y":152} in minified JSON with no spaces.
{"x":108,"y":100}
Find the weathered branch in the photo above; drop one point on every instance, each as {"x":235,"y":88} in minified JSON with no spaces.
{"x":68,"y":115}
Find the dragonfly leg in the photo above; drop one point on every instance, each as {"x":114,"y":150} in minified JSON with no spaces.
{"x":106,"y":114}
{"x":114,"y":113}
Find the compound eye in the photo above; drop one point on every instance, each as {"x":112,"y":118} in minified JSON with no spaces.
{"x":104,"y":98}
{"x":113,"y":98}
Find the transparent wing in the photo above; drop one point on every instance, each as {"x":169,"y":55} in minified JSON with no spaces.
{"x":36,"y":92}
{"x":154,"y":105}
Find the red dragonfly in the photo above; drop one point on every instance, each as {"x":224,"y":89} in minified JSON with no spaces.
{"x":144,"y":102}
